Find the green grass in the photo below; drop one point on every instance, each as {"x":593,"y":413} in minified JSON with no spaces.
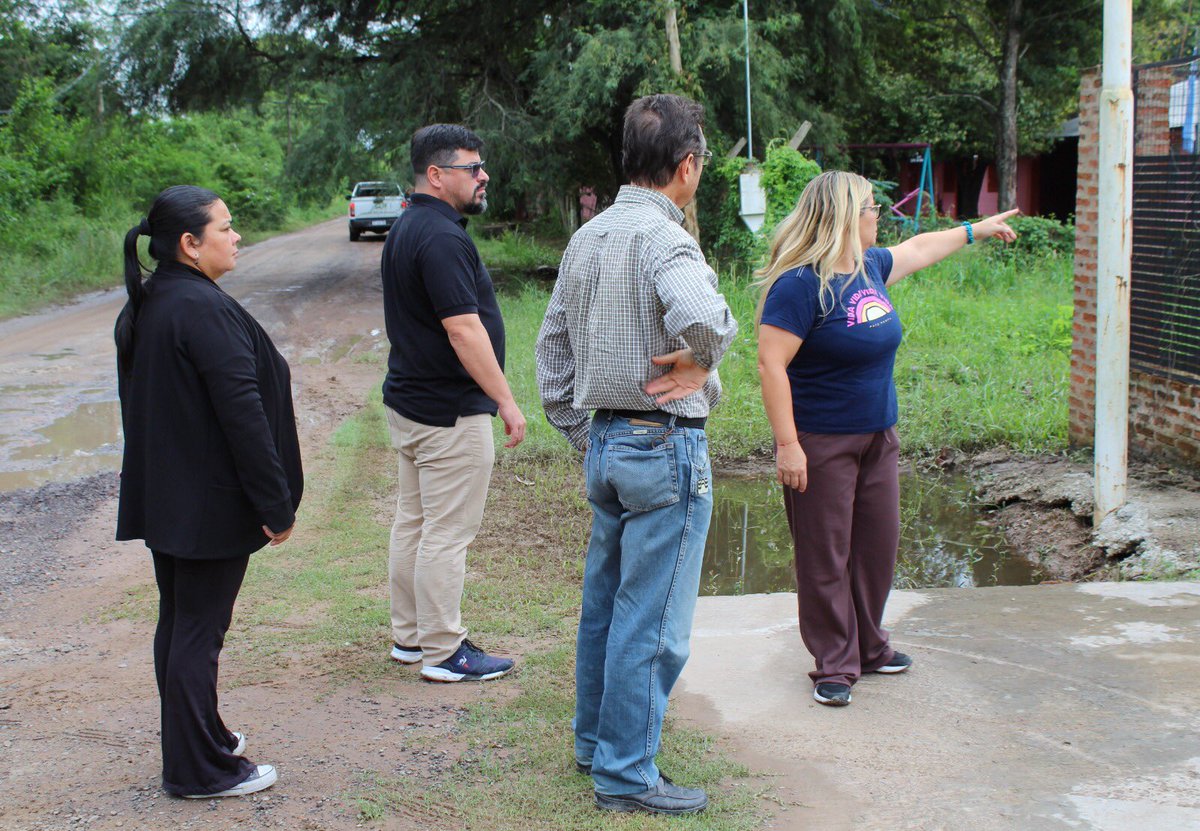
{"x":985,"y":360}
{"x":59,"y":252}
{"x":325,"y":597}
{"x":986,"y":355}
{"x":516,"y":253}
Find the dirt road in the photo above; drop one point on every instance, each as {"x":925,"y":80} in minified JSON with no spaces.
{"x":78,"y":707}
{"x":79,"y":711}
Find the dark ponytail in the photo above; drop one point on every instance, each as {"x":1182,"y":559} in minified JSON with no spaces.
{"x":178,"y":210}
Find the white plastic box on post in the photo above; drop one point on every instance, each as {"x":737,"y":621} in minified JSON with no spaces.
{"x":754,"y":199}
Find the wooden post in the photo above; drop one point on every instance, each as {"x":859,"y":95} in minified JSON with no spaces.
{"x":799,"y":136}
{"x":691,"y":223}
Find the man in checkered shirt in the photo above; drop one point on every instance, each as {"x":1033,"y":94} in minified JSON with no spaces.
{"x":634,"y":331}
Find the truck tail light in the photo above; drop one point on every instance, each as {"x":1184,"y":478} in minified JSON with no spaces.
{"x":352,"y":209}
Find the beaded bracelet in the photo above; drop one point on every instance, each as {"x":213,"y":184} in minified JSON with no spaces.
{"x":970,"y":233}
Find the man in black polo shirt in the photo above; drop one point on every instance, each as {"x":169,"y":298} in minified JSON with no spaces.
{"x":445,"y":381}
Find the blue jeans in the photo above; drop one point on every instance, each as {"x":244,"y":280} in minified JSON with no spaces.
{"x":651,"y":494}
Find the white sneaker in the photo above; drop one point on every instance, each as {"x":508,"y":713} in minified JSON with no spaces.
{"x":264,"y":776}
{"x":240,"y":748}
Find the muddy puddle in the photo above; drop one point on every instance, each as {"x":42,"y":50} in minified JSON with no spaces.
{"x":945,"y":540}
{"x":85,"y":441}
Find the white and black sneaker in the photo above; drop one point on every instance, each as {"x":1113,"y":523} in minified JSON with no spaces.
{"x":899,"y":662}
{"x":468,"y":663}
{"x":406,"y":654}
{"x":240,"y":747}
{"x":263,"y":777}
{"x":832,"y":695}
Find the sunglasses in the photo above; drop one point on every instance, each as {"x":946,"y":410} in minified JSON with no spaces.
{"x":474,"y":168}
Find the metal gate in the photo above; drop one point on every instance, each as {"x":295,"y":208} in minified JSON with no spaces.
{"x":1165,"y":300}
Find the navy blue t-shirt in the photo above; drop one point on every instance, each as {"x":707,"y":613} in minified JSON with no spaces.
{"x":841,"y":376}
{"x":431,"y":271}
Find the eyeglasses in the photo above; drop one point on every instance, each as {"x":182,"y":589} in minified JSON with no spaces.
{"x":874,"y":209}
{"x":474,"y":168}
{"x":703,"y":157}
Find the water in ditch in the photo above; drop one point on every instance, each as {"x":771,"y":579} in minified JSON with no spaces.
{"x":945,"y":540}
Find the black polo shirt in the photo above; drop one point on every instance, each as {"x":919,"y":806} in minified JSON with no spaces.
{"x":431,"y":271}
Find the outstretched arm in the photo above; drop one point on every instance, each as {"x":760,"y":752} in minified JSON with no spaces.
{"x":932,"y":247}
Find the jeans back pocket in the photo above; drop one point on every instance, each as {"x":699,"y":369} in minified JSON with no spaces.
{"x":644,"y":477}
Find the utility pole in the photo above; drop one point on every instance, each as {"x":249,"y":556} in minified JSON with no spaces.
{"x":691,"y":222}
{"x":1113,"y":261}
{"x":749,"y":120}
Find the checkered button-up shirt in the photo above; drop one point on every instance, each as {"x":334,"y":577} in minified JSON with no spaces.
{"x":632,"y":285}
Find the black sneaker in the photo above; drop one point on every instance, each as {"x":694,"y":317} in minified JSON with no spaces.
{"x":835,"y":695}
{"x":583,"y":767}
{"x":664,"y":798}
{"x":468,"y":663}
{"x":899,"y":662}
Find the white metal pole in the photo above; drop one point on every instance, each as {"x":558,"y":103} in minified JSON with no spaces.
{"x":749,"y":122}
{"x":1114,"y":251}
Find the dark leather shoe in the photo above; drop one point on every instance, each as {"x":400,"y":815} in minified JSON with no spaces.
{"x":664,"y":798}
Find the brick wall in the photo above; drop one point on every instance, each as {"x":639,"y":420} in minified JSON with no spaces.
{"x":1164,"y":421}
{"x":1083,"y":349}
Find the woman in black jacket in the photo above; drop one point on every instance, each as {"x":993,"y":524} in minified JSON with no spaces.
{"x":211,"y":471}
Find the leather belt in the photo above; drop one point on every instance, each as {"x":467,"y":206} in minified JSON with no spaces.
{"x":657,"y":416}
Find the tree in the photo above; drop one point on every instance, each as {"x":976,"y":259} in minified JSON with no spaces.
{"x":545,"y":81}
{"x":988,"y":79}
{"x":1165,"y":29}
{"x":58,"y":42}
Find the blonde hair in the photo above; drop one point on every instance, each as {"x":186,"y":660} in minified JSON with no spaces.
{"x":820,"y":232}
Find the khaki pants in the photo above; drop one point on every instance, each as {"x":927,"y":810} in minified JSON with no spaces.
{"x":444,"y":474}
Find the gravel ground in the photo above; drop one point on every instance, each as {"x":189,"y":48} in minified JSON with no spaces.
{"x":33,"y":523}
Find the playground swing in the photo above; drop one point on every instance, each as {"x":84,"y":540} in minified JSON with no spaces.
{"x":923,"y":194}
{"x":924,"y":187}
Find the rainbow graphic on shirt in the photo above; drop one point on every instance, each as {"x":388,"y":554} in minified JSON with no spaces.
{"x":866,"y":305}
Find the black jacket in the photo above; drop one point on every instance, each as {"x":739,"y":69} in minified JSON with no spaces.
{"x":211,"y":452}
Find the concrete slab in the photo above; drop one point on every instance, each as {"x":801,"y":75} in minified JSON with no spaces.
{"x":1036,"y":707}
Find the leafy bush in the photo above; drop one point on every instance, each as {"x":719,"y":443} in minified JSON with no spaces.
{"x":785,"y":172}
{"x":90,"y":180}
{"x":1039,"y":238}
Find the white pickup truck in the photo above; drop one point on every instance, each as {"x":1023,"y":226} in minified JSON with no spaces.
{"x":374,"y":206}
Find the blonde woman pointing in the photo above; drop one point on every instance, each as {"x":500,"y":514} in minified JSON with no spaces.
{"x":827,"y":344}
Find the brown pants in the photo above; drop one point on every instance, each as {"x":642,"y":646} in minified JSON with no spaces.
{"x":846,"y":529}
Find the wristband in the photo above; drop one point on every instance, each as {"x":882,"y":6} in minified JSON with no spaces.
{"x":970,"y":233}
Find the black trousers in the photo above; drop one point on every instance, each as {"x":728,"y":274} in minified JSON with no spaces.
{"x":195,"y":607}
